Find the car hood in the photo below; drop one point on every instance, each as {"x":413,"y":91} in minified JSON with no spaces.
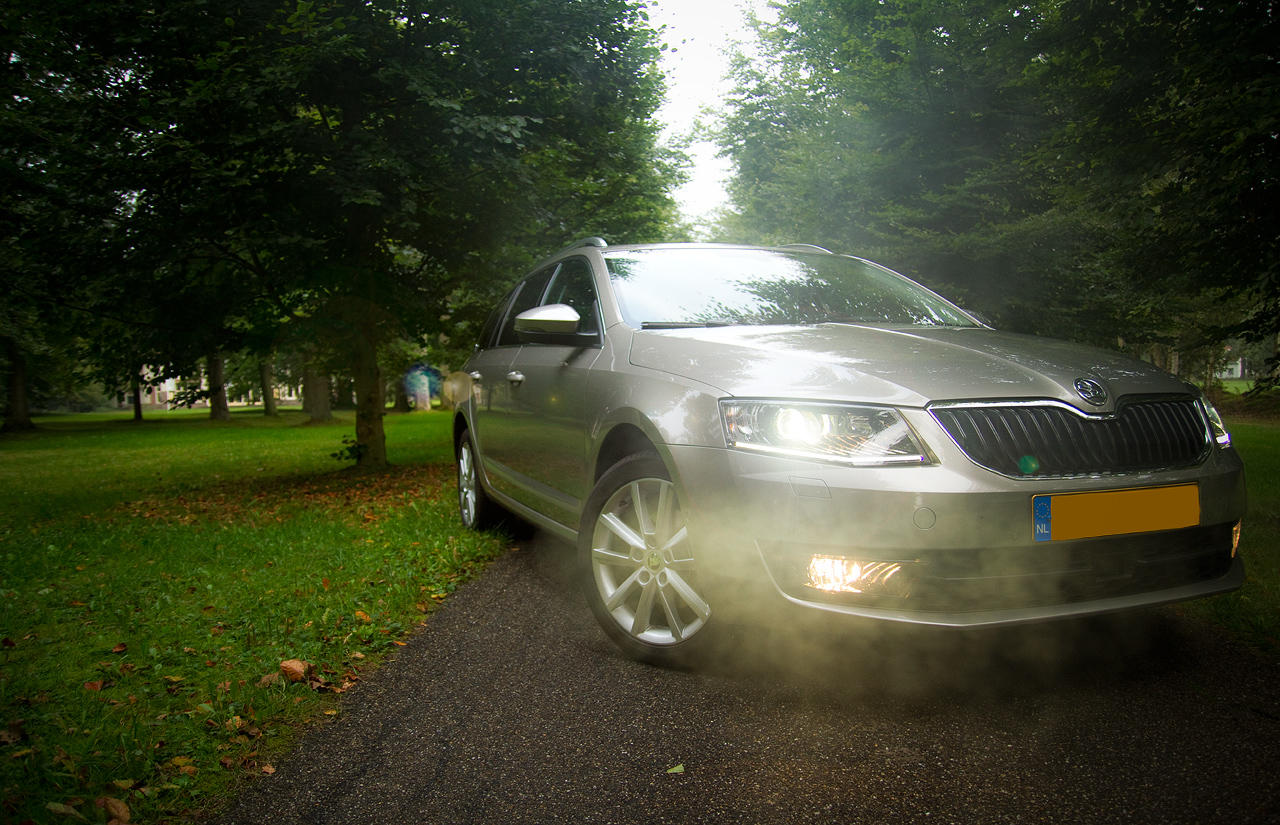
{"x":906,"y":366}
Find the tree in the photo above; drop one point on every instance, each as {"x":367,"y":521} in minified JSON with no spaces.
{"x":896,"y":131}
{"x":1172,"y":136}
{"x":343,"y":167}
{"x":1069,"y":167}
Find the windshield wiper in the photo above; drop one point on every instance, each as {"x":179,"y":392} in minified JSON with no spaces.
{"x":685,"y":324}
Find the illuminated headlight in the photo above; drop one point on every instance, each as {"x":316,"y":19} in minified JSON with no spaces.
{"x":863,"y":436}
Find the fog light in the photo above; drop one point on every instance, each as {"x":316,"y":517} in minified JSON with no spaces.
{"x":836,"y":574}
{"x":1235,"y":539}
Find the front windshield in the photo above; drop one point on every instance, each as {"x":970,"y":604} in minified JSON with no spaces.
{"x":665,"y":288}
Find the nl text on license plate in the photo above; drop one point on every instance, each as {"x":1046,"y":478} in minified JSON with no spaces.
{"x":1115,"y":512}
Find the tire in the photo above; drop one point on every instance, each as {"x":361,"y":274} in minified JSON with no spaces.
{"x":478,"y":512}
{"x":637,"y":568}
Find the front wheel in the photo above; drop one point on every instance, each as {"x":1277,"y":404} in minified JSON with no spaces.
{"x":637,"y":564}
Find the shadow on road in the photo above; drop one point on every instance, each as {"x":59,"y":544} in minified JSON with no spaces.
{"x":842,"y":659}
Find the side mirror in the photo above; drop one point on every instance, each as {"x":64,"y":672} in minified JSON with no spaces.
{"x":553,"y":324}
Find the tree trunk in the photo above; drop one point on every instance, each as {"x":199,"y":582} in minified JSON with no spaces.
{"x":343,"y":399}
{"x":402,"y":398}
{"x":219,"y":410}
{"x":135,"y":392}
{"x":370,"y":403}
{"x":315,"y":396}
{"x":267,"y":380}
{"x":17,"y":414}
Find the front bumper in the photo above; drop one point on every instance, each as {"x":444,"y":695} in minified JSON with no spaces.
{"x":962,"y":537}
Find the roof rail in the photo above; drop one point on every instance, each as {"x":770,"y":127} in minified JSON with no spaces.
{"x":805,"y":247}
{"x":581,"y":242}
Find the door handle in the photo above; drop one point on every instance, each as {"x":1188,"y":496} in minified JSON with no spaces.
{"x":475,"y":376}
{"x":515,"y":377}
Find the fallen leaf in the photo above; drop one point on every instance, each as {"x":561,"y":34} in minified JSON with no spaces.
{"x":179,"y":761}
{"x":268,"y":680}
{"x":13,"y":734}
{"x":362,"y":616}
{"x":268,"y":770}
{"x":295,"y":669}
{"x":677,"y":769}
{"x":21,"y":753}
{"x":7,"y":642}
{"x":123,"y":784}
{"x":94,"y":685}
{"x":64,"y":810}
{"x":120,"y":648}
{"x":189,"y":770}
{"x":118,"y":809}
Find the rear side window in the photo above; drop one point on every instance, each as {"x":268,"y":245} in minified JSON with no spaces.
{"x":528,"y":297}
{"x":491,"y":323}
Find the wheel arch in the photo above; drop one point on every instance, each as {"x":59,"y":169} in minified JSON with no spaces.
{"x":460,"y":425}
{"x":622,"y":440}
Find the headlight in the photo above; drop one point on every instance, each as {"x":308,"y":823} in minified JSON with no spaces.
{"x":1216,"y":426}
{"x":862,"y":436}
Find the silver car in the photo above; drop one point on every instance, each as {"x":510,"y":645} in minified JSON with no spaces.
{"x":724,"y":429}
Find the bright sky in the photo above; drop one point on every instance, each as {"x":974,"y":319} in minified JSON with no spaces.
{"x":699,"y":33}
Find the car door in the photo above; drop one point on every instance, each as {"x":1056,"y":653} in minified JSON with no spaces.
{"x":545,"y":438}
{"x":489,"y":367}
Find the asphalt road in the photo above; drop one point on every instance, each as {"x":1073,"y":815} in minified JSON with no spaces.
{"x":511,"y":706}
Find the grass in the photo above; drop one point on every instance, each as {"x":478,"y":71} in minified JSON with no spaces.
{"x":1253,"y":611}
{"x":179,"y":599}
{"x":87,"y":462}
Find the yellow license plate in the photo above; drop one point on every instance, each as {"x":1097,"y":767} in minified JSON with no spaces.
{"x":1115,"y":512}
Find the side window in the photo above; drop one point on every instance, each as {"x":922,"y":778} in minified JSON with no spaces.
{"x":527,"y":298}
{"x":574,"y":286}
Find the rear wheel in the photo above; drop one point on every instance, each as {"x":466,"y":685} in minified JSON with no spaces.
{"x":474,"y":506}
{"x":637,"y":564}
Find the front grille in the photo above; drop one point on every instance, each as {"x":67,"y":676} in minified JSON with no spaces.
{"x":1051,"y":440}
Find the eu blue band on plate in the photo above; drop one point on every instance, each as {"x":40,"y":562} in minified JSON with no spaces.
{"x":1115,"y":512}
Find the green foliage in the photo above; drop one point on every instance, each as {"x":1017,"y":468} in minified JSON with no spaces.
{"x":1089,"y":170}
{"x":271,"y":170}
{"x":147,"y":646}
{"x":350,"y":450}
